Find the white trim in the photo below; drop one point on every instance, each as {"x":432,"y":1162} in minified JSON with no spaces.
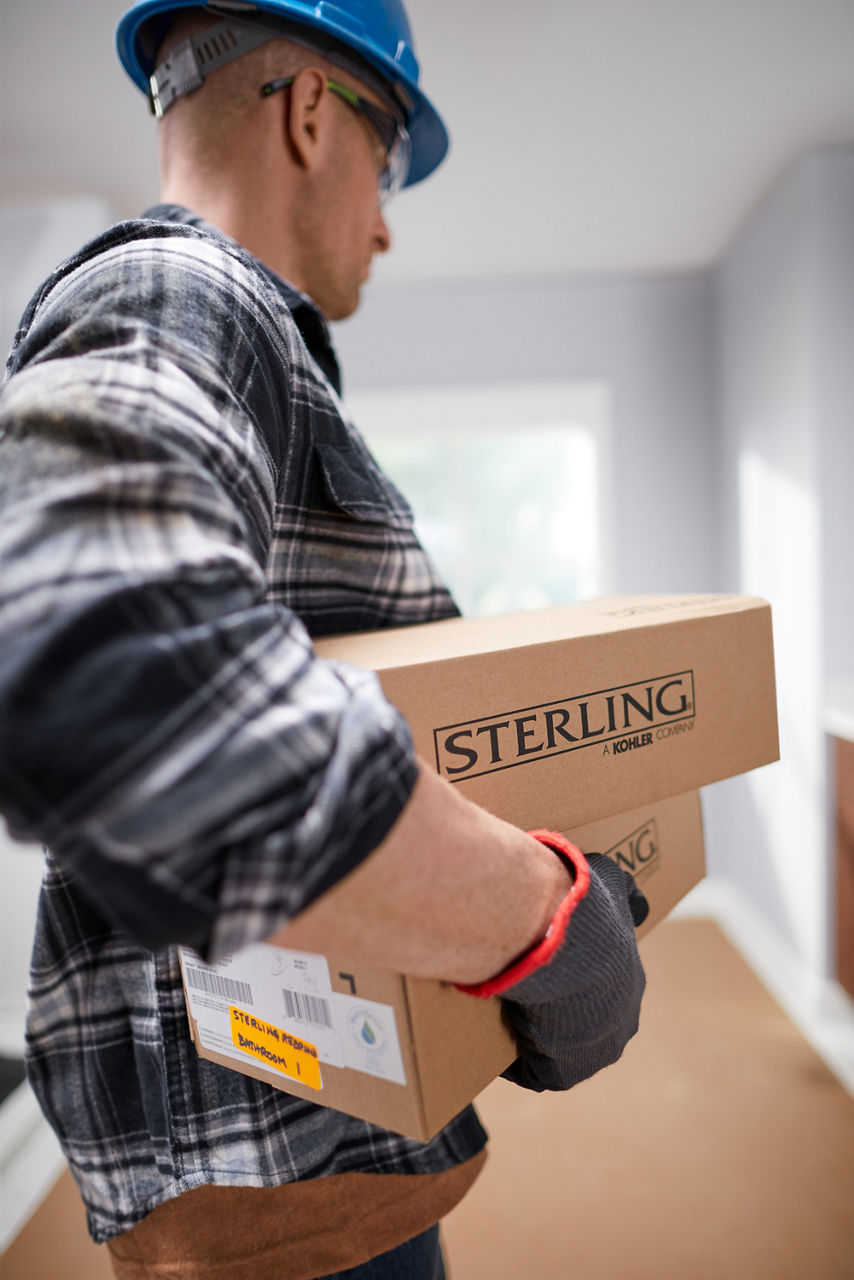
{"x":474,"y":406}
{"x":839,"y":712}
{"x":820,"y":1009}
{"x":30,"y":1161}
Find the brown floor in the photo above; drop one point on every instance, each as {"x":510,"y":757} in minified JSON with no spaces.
{"x":719,"y":1148}
{"x":55,"y":1245}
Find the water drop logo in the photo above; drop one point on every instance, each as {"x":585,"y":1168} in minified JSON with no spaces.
{"x":367,"y":1030}
{"x":368,"y":1034}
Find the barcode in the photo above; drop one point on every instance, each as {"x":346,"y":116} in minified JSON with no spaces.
{"x":304,"y":1008}
{"x":214,"y":984}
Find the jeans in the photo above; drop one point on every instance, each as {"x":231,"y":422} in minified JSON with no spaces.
{"x":417,"y":1259}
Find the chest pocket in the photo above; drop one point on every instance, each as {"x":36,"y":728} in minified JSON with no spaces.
{"x":350,"y":559}
{"x":353,"y":483}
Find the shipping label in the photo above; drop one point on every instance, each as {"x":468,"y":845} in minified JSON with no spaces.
{"x":277,"y":1007}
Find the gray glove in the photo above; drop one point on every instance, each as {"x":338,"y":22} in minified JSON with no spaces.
{"x":575,"y":1014}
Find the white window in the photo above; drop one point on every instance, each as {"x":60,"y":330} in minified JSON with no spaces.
{"x":506,"y":482}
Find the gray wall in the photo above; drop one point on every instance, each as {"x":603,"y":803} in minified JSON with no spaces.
{"x":649,"y":338}
{"x":832,"y":182}
{"x":785,"y":331}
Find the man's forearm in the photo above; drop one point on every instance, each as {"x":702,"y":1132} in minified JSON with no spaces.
{"x":452,"y":892}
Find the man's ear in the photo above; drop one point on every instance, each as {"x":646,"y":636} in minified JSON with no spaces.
{"x":307,"y":118}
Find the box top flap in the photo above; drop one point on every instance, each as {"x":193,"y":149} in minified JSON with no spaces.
{"x":460,"y":637}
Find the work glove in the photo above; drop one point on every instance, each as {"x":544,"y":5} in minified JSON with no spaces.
{"x":573,"y":1001}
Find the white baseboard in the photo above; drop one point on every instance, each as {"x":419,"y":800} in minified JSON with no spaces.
{"x":30,"y":1161}
{"x":12,"y":1031}
{"x":821,"y":1010}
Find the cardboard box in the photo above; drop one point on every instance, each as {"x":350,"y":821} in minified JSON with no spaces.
{"x":404,"y":1053}
{"x":661,"y":844}
{"x":561,"y":716}
{"x":601,"y":720}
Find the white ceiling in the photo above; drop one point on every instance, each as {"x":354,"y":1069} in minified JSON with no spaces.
{"x":587,"y":135}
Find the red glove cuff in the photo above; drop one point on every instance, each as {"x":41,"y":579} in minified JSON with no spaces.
{"x":542,"y":952}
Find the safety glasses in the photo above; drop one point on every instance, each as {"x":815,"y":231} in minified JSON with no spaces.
{"x":389,"y":129}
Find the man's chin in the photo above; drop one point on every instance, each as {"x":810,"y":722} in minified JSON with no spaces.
{"x":342,"y":308}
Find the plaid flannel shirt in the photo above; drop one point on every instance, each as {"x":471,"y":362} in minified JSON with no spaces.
{"x":184,"y":505}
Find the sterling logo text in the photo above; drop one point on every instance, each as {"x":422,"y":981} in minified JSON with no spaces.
{"x":638,"y":853}
{"x":512,"y":738}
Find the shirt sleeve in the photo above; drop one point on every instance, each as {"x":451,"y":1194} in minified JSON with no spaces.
{"x":165,"y":730}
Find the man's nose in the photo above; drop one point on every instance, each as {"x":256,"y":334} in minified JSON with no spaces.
{"x":381,"y":233}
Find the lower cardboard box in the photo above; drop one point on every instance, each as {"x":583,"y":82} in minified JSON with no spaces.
{"x":403,"y":1053}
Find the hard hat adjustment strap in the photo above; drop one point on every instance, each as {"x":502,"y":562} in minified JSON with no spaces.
{"x":196,"y":57}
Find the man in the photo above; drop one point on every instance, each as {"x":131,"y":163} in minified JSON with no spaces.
{"x":185,"y":505}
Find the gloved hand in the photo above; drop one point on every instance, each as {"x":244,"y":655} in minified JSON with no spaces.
{"x":574,"y":1011}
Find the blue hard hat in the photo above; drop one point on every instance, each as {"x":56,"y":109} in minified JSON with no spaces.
{"x":377,"y":32}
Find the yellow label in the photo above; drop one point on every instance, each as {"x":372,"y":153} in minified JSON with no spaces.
{"x":275,"y":1047}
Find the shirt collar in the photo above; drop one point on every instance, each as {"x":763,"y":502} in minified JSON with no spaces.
{"x":308,"y":318}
